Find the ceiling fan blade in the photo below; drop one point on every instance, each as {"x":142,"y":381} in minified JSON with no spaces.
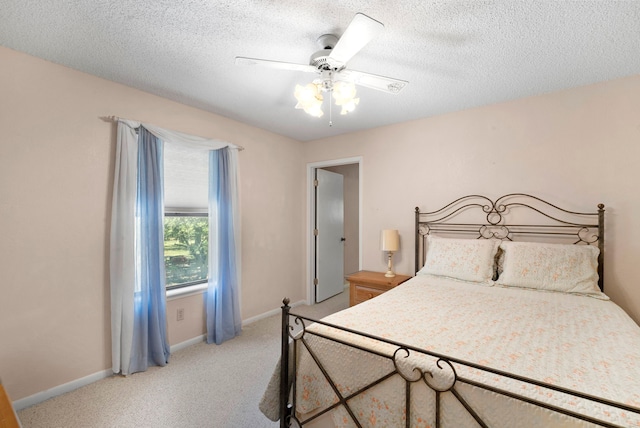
{"x":373,"y":81}
{"x":240,"y":60}
{"x":360,"y":31}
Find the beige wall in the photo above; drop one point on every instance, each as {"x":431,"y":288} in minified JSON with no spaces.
{"x":56,"y":172}
{"x":193,"y":324}
{"x":576,"y":148}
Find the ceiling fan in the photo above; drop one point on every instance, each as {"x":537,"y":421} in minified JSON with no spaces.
{"x":331,"y":63}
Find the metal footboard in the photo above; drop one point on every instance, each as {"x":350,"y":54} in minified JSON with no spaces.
{"x":295,"y":334}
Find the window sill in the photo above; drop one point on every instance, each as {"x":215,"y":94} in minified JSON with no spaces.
{"x":187,"y":291}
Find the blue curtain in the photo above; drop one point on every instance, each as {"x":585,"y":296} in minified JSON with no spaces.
{"x":222,"y":302}
{"x":150,"y":345}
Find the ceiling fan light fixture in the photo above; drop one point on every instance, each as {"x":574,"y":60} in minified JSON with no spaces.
{"x":310,"y":96}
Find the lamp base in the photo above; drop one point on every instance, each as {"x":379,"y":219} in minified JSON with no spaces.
{"x":390,"y":273}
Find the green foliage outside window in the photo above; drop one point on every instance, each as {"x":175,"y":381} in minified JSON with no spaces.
{"x":186,"y":249}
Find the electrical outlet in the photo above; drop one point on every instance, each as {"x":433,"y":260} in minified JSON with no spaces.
{"x":180,"y":316}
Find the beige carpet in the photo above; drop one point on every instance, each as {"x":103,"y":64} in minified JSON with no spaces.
{"x":202,"y":386}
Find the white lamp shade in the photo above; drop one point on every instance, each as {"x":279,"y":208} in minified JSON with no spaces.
{"x":389,"y":240}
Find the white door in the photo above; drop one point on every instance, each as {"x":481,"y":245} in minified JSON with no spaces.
{"x":329,"y":205}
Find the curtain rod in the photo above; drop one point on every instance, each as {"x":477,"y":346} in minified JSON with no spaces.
{"x":116,"y":119}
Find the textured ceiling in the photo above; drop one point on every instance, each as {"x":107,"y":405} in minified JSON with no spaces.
{"x":455,"y":54}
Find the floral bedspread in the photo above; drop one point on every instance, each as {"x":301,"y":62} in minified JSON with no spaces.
{"x":575,"y":342}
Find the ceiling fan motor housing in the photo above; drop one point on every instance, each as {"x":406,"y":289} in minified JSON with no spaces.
{"x":321,"y":59}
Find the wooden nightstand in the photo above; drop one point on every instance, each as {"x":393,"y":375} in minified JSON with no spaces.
{"x":365,"y":285}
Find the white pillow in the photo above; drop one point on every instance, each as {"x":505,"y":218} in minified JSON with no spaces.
{"x":464,"y":259}
{"x":553,"y":267}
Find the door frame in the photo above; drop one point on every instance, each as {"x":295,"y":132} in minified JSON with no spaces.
{"x":311,"y":251}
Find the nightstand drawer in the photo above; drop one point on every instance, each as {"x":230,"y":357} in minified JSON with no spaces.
{"x":362,"y":292}
{"x":365,"y":285}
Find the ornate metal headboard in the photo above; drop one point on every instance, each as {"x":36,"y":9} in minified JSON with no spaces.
{"x":516,"y":215}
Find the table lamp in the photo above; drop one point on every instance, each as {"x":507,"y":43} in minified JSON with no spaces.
{"x":390,"y":242}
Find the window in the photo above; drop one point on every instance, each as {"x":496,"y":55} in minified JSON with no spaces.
{"x":186,"y":249}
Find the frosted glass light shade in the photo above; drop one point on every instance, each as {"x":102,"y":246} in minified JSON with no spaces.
{"x":390,"y":240}
{"x":345,"y":95}
{"x":310,"y":99}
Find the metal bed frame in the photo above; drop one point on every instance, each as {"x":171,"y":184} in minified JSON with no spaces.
{"x":554,"y":222}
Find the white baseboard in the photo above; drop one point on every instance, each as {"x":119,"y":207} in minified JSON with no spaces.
{"x":60,"y":389}
{"x":187,"y":343}
{"x":270,"y":313}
